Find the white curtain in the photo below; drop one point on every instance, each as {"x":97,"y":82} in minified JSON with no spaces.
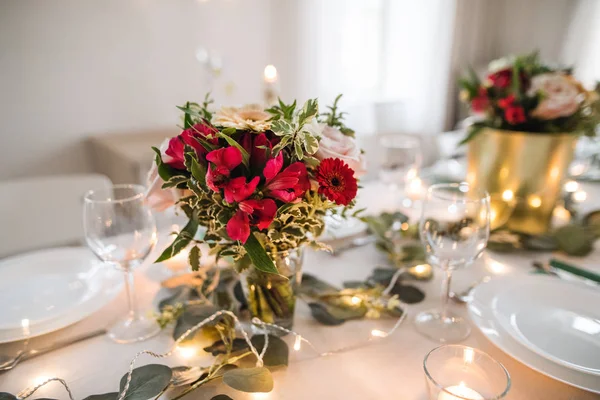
{"x":378,"y":51}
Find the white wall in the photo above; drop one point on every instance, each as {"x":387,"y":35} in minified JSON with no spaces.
{"x":73,"y":68}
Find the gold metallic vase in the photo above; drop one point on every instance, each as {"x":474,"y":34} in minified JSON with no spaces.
{"x":523,"y":172}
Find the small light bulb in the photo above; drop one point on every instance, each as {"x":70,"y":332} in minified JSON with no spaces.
{"x":535,"y":201}
{"x":298,"y":343}
{"x":378,"y":333}
{"x":355,"y":300}
{"x":571,"y":186}
{"x":468,"y":356}
{"x":508,"y":195}
{"x":186,"y":352}
{"x":579,"y":196}
{"x":404,"y":226}
{"x":38,"y":380}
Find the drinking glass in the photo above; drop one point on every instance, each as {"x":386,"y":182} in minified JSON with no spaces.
{"x":120,"y":229}
{"x":400,"y":166}
{"x":454,"y":229}
{"x":456,"y":372}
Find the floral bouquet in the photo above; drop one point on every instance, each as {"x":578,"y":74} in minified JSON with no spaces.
{"x":523,"y":94}
{"x":260,"y":182}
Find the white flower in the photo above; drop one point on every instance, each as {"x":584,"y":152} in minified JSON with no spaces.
{"x":334,"y":144}
{"x":500,"y":64}
{"x":249,"y":117}
{"x":157,"y":198}
{"x":561,"y":95}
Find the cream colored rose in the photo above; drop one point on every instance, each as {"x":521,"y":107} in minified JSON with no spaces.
{"x":157,"y":198}
{"x":249,"y":117}
{"x":561,"y":96}
{"x":334,"y":144}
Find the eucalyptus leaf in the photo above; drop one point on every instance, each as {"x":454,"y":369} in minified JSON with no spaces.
{"x":322,"y":314}
{"x":250,"y":380}
{"x":221,"y":397}
{"x":540,"y":243}
{"x":574,"y":240}
{"x":408,"y":294}
{"x":146,"y":382}
{"x":105,"y":396}
{"x":238,"y":293}
{"x":7,"y":396}
{"x":277,"y":351}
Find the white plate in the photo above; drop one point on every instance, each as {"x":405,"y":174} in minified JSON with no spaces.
{"x":483,"y":312}
{"x":52,"y":289}
{"x":558,"y":320}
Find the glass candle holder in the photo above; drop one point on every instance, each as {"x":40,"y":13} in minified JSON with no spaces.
{"x":456,"y":372}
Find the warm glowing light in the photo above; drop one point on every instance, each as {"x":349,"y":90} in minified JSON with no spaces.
{"x":560,"y":216}
{"x":355,"y":300}
{"x":571,"y":186}
{"x":25,"y":325}
{"x":579,"y":196}
{"x":38,"y":380}
{"x":468,"y":356}
{"x":412,"y":173}
{"x":270,"y":73}
{"x":260,"y":396}
{"x":186,"y":351}
{"x":459,"y":392}
{"x":508,"y":195}
{"x":535,"y":201}
{"x":495,"y":266}
{"x":404,"y":226}
{"x":421,"y":268}
{"x":378,"y":333}
{"x":298,"y":343}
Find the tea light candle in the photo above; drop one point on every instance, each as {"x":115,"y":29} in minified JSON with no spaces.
{"x":414,"y":188}
{"x":459,"y":392}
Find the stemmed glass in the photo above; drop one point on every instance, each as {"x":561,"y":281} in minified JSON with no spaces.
{"x":454,"y":229}
{"x":120,"y":229}
{"x":400,"y":165}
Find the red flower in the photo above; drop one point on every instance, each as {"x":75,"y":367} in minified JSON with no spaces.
{"x":237,"y":189}
{"x":259,"y":213}
{"x":222,"y":161}
{"x":507,"y":101}
{"x":336,"y":181}
{"x":288,"y":184}
{"x":177,"y":144}
{"x":481,"y":102}
{"x":515,"y":115}
{"x":501,"y":79}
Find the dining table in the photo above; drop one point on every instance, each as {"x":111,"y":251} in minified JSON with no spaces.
{"x":385,"y":368}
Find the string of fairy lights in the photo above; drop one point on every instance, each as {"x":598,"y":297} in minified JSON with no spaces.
{"x":376,"y":335}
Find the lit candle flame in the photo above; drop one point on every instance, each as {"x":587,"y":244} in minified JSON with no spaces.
{"x":270,"y":73}
{"x":298,"y":343}
{"x":378,"y":333}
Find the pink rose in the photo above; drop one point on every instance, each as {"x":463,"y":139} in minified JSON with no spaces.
{"x":157,"y":198}
{"x":560,"y":96}
{"x":334,"y":144}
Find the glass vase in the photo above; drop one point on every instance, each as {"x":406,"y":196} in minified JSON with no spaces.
{"x":271,"y":297}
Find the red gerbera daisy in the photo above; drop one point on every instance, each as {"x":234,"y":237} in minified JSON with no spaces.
{"x":336,"y":181}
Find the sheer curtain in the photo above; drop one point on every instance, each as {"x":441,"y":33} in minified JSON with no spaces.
{"x":378,"y":51}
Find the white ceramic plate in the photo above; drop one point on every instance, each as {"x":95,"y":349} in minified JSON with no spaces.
{"x":484,"y":313}
{"x":52,"y":289}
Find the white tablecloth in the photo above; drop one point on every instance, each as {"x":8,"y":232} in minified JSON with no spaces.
{"x":389,"y":369}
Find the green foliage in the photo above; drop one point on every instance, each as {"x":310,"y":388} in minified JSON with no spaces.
{"x":277,"y":352}
{"x":249,"y":380}
{"x":336,"y":119}
{"x":292,"y":127}
{"x":146,"y":382}
{"x":258,"y":255}
{"x":105,"y":396}
{"x":194,"y":113}
{"x":181,"y":241}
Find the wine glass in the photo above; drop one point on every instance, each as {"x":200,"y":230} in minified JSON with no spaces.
{"x":120,"y":229}
{"x":400,"y":165}
{"x":454,"y":229}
